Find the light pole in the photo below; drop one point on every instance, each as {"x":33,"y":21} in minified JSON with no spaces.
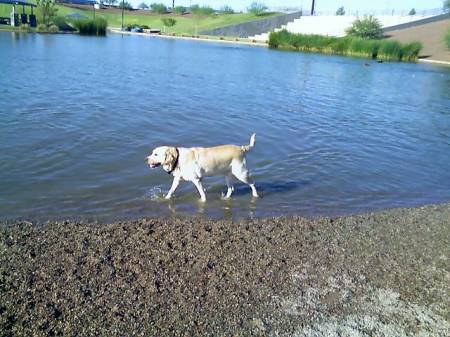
{"x":123,"y":6}
{"x":312,"y":6}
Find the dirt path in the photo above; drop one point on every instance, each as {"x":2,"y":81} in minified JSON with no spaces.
{"x":432,"y":37}
{"x":383,"y":274}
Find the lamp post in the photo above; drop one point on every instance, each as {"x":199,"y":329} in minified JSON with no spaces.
{"x":123,"y":6}
{"x":312,"y":6}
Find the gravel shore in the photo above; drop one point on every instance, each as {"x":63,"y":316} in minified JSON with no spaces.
{"x":384,"y":274}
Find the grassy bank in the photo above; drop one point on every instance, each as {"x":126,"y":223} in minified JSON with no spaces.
{"x":349,"y":46}
{"x":185,"y":24}
{"x":380,"y":274}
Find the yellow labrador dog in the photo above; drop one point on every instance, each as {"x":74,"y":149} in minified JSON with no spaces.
{"x":192,"y":164}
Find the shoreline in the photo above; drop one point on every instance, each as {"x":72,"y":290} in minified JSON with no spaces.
{"x":384,"y":272}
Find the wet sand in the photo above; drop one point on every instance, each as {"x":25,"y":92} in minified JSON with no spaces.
{"x":384,"y":274}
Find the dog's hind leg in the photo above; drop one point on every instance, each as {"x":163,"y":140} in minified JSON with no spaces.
{"x":229,"y":186}
{"x":240,"y":171}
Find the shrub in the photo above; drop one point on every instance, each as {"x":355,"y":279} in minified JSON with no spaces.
{"x":367,"y":28}
{"x":61,"y":23}
{"x":169,"y":22}
{"x":257,"y":8}
{"x":201,"y":11}
{"x":42,"y":28}
{"x":180,"y":10}
{"x":340,"y":11}
{"x":447,"y":39}
{"x":25,"y":28}
{"x":227,"y":10}
{"x":53,"y":29}
{"x":95,"y":26}
{"x":412,"y":12}
{"x":158,"y":8}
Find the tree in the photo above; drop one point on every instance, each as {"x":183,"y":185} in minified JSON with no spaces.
{"x":126,"y":5}
{"x":180,"y":10}
{"x":367,"y":28}
{"x":143,"y":5}
{"x":257,"y":8}
{"x":340,"y":11}
{"x":412,"y":11}
{"x":169,"y":22}
{"x":158,"y":8}
{"x":111,"y":2}
{"x":47,"y":9}
{"x":446,"y":5}
{"x":227,"y":10}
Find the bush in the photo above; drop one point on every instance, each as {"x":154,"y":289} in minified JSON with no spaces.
{"x":367,"y":28}
{"x":447,"y":39}
{"x":25,"y":28}
{"x":412,"y":12}
{"x":201,"y":11}
{"x":169,"y":22}
{"x":61,"y":23}
{"x":351,"y":46}
{"x":227,"y":10}
{"x":53,"y":29}
{"x":42,"y":28}
{"x":180,"y":10}
{"x":95,"y":26}
{"x":257,"y":8}
{"x":158,"y":8}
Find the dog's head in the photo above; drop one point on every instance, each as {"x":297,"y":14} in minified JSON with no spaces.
{"x":166,"y":156}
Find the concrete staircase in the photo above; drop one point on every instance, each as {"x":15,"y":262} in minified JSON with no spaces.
{"x":334,"y":25}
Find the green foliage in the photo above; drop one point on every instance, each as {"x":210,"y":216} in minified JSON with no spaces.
{"x":25,"y":28}
{"x":412,"y":12}
{"x":125,"y":5}
{"x":351,"y":46}
{"x":447,"y":39}
{"x":46,"y":9}
{"x":257,"y":8}
{"x":169,"y":22}
{"x":367,"y":28}
{"x":227,"y":10}
{"x":41,"y":28}
{"x":201,"y":11}
{"x":53,"y":29}
{"x":143,"y":5}
{"x":158,"y":8}
{"x":180,"y":10}
{"x":340,"y":11}
{"x":61,"y":23}
{"x":446,"y":5}
{"x":95,"y":26}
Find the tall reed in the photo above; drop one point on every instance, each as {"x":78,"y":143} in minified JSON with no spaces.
{"x":95,"y":26}
{"x":350,"y":46}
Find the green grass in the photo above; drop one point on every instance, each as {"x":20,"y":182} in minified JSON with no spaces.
{"x":184,"y":25}
{"x":388,"y":50}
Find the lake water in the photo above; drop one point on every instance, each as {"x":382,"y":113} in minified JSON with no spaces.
{"x":78,"y":115}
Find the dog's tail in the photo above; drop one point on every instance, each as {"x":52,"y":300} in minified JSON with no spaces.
{"x":247,"y":148}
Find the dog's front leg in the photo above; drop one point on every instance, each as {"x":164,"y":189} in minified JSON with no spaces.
{"x":199,"y":186}
{"x":175,"y":183}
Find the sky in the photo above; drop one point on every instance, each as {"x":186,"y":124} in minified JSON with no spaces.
{"x":321,"y":5}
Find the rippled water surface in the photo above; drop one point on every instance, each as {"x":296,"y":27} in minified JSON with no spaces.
{"x":78,"y":115}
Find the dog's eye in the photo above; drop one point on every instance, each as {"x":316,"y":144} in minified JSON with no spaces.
{"x":156,"y":155}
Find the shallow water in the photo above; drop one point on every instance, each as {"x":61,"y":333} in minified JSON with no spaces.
{"x":78,"y":115}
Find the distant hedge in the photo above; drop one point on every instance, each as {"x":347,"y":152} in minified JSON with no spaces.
{"x":95,"y":26}
{"x":388,"y":50}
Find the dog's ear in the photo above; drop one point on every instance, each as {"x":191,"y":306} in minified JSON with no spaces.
{"x":170,"y":159}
